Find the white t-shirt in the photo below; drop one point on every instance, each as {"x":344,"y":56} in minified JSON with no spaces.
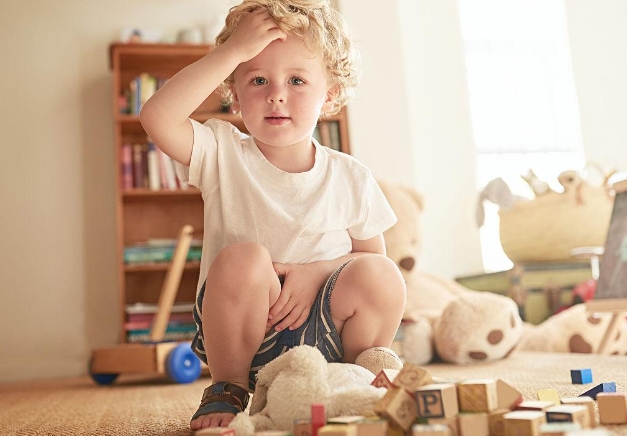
{"x":298,"y":217}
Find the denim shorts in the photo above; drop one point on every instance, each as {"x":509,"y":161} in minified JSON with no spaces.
{"x":318,"y":331}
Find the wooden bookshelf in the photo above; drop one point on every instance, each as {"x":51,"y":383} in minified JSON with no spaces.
{"x":144,"y":213}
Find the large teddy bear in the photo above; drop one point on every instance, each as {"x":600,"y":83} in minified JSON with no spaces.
{"x":447,"y":320}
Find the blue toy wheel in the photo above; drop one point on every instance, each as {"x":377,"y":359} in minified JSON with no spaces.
{"x":182,"y":365}
{"x":102,"y":379}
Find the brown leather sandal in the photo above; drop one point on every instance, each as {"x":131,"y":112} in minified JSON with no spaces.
{"x":222,"y":397}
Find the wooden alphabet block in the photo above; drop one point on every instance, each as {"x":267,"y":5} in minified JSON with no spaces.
{"x":431,"y":430}
{"x":534,"y":405}
{"x":559,"y":428}
{"x":612,"y":408}
{"x":346,"y":419}
{"x":437,"y":400}
{"x":473,"y":424}
{"x":602,"y":387}
{"x":302,"y":427}
{"x":451,"y":423}
{"x":337,"y":430}
{"x":272,"y":433}
{"x":398,"y":406}
{"x":507,"y":396}
{"x":549,"y":395}
{"x":583,"y":401}
{"x":524,"y":422}
{"x":569,"y":413}
{"x":411,"y":377}
{"x":384,"y":378}
{"x":581,"y":376}
{"x":363,"y":425}
{"x":496,"y":422}
{"x":318,"y":417}
{"x":477,"y":396}
{"x":394,"y":430}
{"x":372,"y":427}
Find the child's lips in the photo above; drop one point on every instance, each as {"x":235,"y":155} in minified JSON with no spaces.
{"x":277,"y":120}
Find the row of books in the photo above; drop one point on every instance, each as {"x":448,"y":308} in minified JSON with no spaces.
{"x":177,"y":333}
{"x":159,"y":250}
{"x":139,"y":318}
{"x":139,"y":90}
{"x":144,"y":166}
{"x":328,"y":133}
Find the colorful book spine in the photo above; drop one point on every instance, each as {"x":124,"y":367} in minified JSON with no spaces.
{"x":138,"y":166}
{"x":127,"y":166}
{"x":154,"y":178}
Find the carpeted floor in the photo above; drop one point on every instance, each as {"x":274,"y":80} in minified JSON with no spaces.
{"x":140,"y":406}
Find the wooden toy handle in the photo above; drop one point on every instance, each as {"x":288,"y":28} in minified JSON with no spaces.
{"x":171,"y":284}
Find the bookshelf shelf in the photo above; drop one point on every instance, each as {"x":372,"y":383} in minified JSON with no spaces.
{"x":143,"y":213}
{"x":140,"y":193}
{"x":147,"y":267}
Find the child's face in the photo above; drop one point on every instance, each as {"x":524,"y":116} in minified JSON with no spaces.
{"x":281,"y":93}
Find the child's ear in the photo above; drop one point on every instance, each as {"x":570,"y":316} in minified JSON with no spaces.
{"x":330,"y":99}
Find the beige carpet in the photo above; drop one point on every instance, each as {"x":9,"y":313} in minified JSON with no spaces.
{"x":134,"y":406}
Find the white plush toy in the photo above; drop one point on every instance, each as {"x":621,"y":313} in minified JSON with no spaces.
{"x":290,"y":384}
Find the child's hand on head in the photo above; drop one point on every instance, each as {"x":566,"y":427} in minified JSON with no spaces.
{"x":253,"y":34}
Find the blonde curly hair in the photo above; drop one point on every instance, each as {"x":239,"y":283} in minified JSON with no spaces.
{"x":320,"y":25}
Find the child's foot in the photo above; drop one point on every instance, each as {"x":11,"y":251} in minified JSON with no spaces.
{"x":378,"y":358}
{"x":220,"y":403}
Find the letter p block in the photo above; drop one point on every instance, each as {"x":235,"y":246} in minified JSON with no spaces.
{"x":438,"y":400}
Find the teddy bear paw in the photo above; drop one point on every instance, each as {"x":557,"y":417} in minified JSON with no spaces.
{"x":378,"y":358}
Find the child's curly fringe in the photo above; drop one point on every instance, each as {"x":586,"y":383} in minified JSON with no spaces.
{"x":320,"y":25}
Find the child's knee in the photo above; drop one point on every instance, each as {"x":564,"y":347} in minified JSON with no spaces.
{"x":378,"y":273}
{"x":242,"y":262}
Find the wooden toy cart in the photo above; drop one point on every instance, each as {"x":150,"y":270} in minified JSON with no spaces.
{"x":176,"y":359}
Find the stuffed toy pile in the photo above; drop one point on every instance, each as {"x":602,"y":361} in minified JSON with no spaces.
{"x":448,"y":321}
{"x":290,"y":384}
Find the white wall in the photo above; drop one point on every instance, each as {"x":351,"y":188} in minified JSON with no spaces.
{"x":414,"y":91}
{"x":598,"y":35}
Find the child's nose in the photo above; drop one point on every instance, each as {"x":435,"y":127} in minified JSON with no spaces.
{"x":276,"y":94}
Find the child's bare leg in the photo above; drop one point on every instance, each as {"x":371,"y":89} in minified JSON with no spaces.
{"x":241,"y":286}
{"x":367,"y":304}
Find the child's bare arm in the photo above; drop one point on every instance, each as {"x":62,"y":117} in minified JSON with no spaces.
{"x":165,"y":115}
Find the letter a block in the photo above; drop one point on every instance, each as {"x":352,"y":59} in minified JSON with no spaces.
{"x":437,"y":400}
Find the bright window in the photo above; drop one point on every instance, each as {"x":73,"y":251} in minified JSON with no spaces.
{"x":522,"y":99}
